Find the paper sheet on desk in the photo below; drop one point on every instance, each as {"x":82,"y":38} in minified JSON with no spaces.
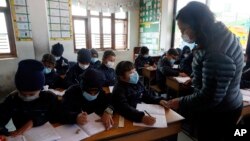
{"x":246,"y":95}
{"x":111,"y":89}
{"x":182,"y":79}
{"x":156,"y":111}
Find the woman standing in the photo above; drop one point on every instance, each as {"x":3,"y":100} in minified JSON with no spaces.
{"x":216,"y":103}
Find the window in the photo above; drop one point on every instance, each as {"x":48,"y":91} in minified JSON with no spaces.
{"x":7,"y":40}
{"x":94,"y":29}
{"x":234,"y":14}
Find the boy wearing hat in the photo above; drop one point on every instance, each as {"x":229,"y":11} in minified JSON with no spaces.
{"x":57,"y":50}
{"x":83,"y":63}
{"x":143,"y":60}
{"x":49,"y":63}
{"x":108,"y":62}
{"x":95,"y":63}
{"x":86,"y":98}
{"x":28,"y":106}
{"x":165,"y":67}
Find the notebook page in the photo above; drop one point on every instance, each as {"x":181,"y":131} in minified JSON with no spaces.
{"x":161,"y":122}
{"x":45,"y":132}
{"x":151,"y":108}
{"x":92,"y":127}
{"x":182,"y":79}
{"x":17,"y":138}
{"x":71,"y":133}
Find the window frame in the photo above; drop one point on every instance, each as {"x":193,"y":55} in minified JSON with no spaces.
{"x":88,"y":30}
{"x":9,"y":25}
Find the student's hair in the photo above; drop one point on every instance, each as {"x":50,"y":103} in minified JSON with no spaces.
{"x":179,"y":50}
{"x":186,"y":49}
{"x":57,"y":49}
{"x":123,"y":67}
{"x":108,"y":53}
{"x":49,"y":58}
{"x":199,"y":17}
{"x":172,"y":52}
{"x":94,"y":53}
{"x":144,"y":50}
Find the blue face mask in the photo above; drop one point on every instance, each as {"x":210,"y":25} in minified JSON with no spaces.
{"x":89,"y":97}
{"x":93,"y":60}
{"x":134,"y":78}
{"x":47,"y":70}
{"x":172,"y":61}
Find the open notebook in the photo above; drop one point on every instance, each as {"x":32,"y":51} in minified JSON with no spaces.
{"x":45,"y":132}
{"x":156,"y":111}
{"x":246,"y":95}
{"x":76,"y":132}
{"x":182,"y":79}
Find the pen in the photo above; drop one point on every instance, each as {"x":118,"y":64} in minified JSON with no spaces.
{"x":77,"y":131}
{"x":147,"y":113}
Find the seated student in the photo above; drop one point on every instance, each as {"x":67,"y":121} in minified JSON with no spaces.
{"x":60,"y":81}
{"x":28,"y":106}
{"x":108,"y":62}
{"x":83,"y":63}
{"x":129,"y":91}
{"x":57,"y":50}
{"x":245,"y":78}
{"x":49,"y":63}
{"x":94,"y":59}
{"x":165,"y":68}
{"x":186,"y":63}
{"x":184,"y":54}
{"x":178,"y":61}
{"x":143,"y":60}
{"x":86,"y":98}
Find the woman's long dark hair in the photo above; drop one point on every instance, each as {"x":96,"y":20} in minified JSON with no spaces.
{"x":199,"y":17}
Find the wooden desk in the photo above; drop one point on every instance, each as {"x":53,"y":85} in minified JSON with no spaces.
{"x":134,"y":133}
{"x":175,"y":85}
{"x":149,"y":72}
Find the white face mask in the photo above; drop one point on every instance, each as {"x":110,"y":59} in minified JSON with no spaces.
{"x":185,"y":55}
{"x":29,"y":98}
{"x":84,"y":67}
{"x":57,"y":58}
{"x":110,"y":64}
{"x":186,"y":38}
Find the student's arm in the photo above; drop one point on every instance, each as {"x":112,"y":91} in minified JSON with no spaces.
{"x":71,"y":77}
{"x":151,"y":61}
{"x":105,"y":102}
{"x":6,"y":114}
{"x":70,"y":107}
{"x":139,"y":64}
{"x":149,"y":98}
{"x":122,"y":106}
{"x":219,"y":71}
{"x":166,"y":69}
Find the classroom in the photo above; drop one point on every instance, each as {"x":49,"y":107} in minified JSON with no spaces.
{"x":119,"y":70}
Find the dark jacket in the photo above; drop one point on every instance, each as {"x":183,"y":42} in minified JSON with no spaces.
{"x":110,"y":75}
{"x":50,"y":78}
{"x":186,"y":64}
{"x":73,"y":75}
{"x":164,"y":69}
{"x":126,"y":96}
{"x":60,"y":82}
{"x":96,"y":65}
{"x":245,"y":78}
{"x":59,"y":63}
{"x":45,"y":108}
{"x":74,"y":103}
{"x":140,"y":61}
{"x":217,"y":69}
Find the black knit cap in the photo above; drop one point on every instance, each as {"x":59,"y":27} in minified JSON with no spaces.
{"x":29,"y":75}
{"x":84,"y":56}
{"x":92,"y":78}
{"x":57,"y":49}
{"x":144,"y":50}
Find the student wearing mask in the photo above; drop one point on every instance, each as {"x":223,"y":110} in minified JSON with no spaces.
{"x":165,"y":68}
{"x":57,"y":51}
{"x":108,"y":62}
{"x":28,"y":106}
{"x":128,"y":92}
{"x":49,"y":63}
{"x":143,"y":60}
{"x":245,"y":78}
{"x":95,"y":63}
{"x":83,"y":63}
{"x":86,"y":98}
{"x":216,"y":103}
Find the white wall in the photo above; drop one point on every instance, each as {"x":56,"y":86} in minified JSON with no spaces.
{"x":41,"y":44}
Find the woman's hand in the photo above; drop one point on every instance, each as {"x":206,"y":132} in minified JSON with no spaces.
{"x":164,"y":103}
{"x":174,"y":103}
{"x":24,"y":128}
{"x":107,"y":120}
